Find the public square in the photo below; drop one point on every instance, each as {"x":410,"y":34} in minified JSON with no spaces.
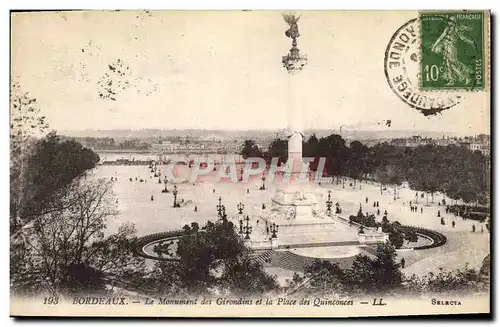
{"x":158,"y":215}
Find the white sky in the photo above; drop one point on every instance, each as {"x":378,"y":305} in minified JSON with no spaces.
{"x":220,"y":70}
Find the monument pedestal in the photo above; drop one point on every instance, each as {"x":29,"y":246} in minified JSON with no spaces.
{"x":296,"y":201}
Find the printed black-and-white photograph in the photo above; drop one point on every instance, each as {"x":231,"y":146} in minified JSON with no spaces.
{"x":250,"y":163}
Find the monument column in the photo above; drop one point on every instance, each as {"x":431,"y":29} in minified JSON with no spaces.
{"x":294,"y":62}
{"x":295,"y":200}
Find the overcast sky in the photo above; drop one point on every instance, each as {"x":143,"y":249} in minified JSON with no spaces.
{"x":218,"y":70}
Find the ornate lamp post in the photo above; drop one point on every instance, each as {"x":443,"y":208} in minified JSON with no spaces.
{"x":241,"y":227}
{"x":219,"y":208}
{"x":240,"y":208}
{"x":224,"y":216}
{"x":247,"y":229}
{"x":274,"y":230}
{"x":175,"y":192}
{"x":165,"y":190}
{"x":329,"y":203}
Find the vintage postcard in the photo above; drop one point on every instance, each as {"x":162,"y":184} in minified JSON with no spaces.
{"x":250,"y":163}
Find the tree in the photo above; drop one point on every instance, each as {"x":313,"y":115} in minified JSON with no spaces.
{"x":310,"y":150}
{"x":374,"y":276}
{"x":387,"y":271}
{"x":52,"y":167}
{"x":459,"y":281}
{"x":359,"y":277}
{"x":26,"y":120}
{"x":410,"y":236}
{"x":250,"y":149}
{"x":66,"y":252}
{"x":356,"y":161}
{"x":396,"y":238}
{"x":277,"y":149}
{"x":333,"y":148}
{"x":325,"y":277}
{"x":389,"y":175}
{"x":246,"y":276}
{"x":26,"y":123}
{"x":214,"y":258}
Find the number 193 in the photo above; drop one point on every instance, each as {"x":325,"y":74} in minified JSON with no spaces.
{"x":51,"y":300}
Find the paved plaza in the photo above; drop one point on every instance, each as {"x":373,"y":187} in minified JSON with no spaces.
{"x":157,"y":215}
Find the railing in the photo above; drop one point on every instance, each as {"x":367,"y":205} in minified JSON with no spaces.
{"x":438,"y":239}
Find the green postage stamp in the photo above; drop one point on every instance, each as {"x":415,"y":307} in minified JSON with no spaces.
{"x":453,"y":50}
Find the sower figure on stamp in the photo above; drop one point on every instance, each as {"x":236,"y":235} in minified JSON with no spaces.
{"x":446,"y":44}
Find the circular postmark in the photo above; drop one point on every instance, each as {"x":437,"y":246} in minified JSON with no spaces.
{"x":402,"y":69}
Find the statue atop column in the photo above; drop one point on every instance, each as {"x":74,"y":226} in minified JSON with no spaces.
{"x":293,"y":62}
{"x":293,"y":31}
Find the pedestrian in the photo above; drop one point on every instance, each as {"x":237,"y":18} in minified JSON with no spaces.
{"x":422,"y":210}
{"x":378,"y":204}
{"x":152,"y":198}
{"x":366,"y":200}
{"x":378,"y":212}
{"x":248,"y":191}
{"x":453,"y":224}
{"x":439,"y":213}
{"x":385,"y":212}
{"x":473,"y":228}
{"x":374,"y":204}
{"x":403,"y":262}
{"x":257,"y":222}
{"x":213,"y":191}
{"x":195,"y":208}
